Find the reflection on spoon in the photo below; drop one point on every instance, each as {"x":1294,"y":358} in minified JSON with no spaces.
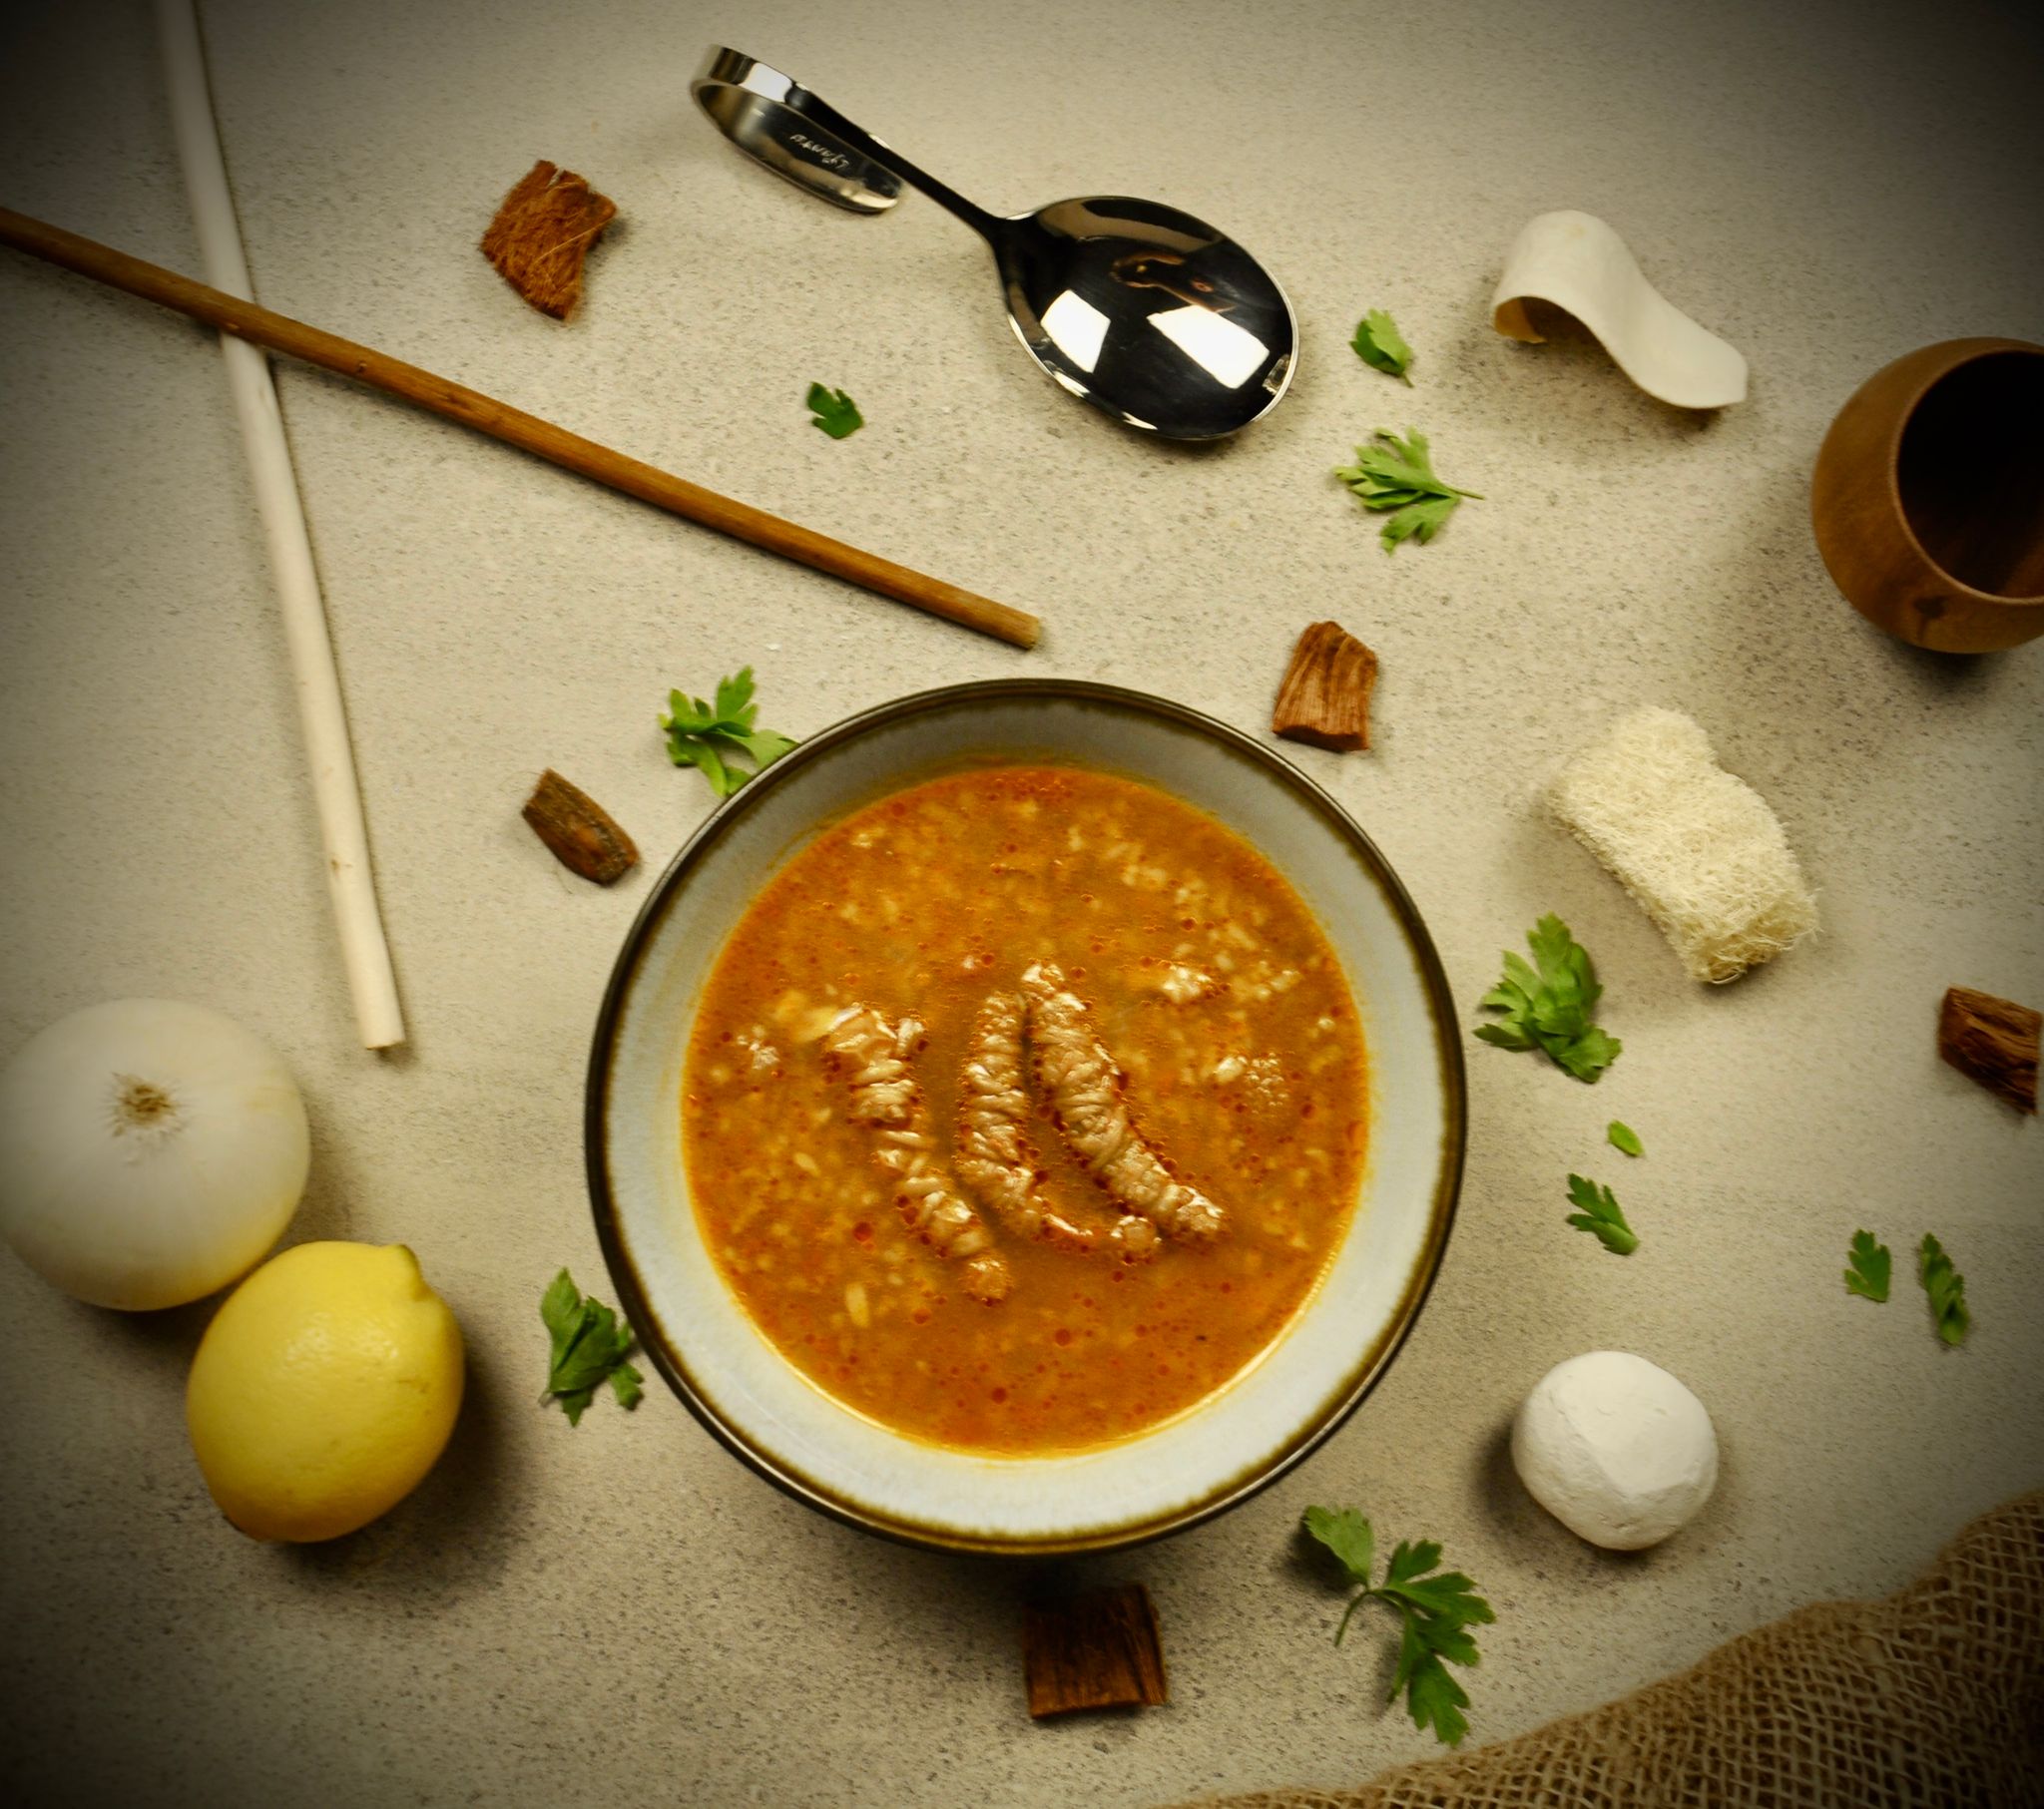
{"x":1077,"y":328}
{"x":1146,"y":270}
{"x":1219,"y":347}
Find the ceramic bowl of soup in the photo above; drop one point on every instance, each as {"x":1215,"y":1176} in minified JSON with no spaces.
{"x":1025,"y":1118}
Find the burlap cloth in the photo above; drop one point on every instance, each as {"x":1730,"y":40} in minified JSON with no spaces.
{"x":1931,"y":1697}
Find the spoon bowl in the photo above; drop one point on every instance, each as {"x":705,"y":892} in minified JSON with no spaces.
{"x":1148,"y":313}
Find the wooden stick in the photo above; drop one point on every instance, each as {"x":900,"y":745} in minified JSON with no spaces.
{"x":528,"y":432}
{"x":365,"y":950}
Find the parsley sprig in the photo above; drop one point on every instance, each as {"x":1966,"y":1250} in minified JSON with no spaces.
{"x":1597,"y":1212}
{"x":590,"y":1343}
{"x":1435,"y":1614}
{"x":1397,"y":476}
{"x":1379,"y":344}
{"x":707,"y":736}
{"x":833,"y":411}
{"x":1625,"y":1138}
{"x":1553,"y":1009}
{"x":1947,"y":1290}
{"x":1869,"y":1275}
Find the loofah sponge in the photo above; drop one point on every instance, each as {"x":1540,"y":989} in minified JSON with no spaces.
{"x":1698,"y":849}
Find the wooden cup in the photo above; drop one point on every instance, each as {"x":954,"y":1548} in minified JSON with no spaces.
{"x":1928,"y":496}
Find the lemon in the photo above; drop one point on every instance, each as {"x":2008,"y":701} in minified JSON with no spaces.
{"x":323,"y":1390}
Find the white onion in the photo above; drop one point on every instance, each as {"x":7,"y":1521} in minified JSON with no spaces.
{"x":149,"y":1153}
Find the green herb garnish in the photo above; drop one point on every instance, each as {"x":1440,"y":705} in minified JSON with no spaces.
{"x":707,"y":736}
{"x":1397,"y":475}
{"x":1552,"y":1009}
{"x":1435,"y":1614}
{"x":590,"y":1343}
{"x":1947,"y":1290}
{"x":1869,"y":1275}
{"x":1379,"y":344}
{"x":835,"y":412}
{"x":1625,"y":1138}
{"x":1600,"y":1216}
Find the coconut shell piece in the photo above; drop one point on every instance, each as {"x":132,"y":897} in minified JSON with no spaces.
{"x":1098,"y":1650}
{"x":542,"y":233}
{"x":1324,"y":698}
{"x":1992,"y":1041}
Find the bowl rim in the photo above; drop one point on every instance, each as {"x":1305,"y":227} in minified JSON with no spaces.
{"x":1957,"y":355}
{"x":1229,"y":1492}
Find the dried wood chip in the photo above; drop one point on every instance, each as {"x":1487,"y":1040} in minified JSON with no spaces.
{"x":1099,"y":1649}
{"x":1325,"y":699}
{"x":581,"y":834}
{"x":541,"y":234}
{"x":1992,"y":1041}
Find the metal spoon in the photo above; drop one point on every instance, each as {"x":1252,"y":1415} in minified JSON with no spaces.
{"x":1144,"y":311}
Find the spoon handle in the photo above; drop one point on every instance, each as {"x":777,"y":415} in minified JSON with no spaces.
{"x":988,"y":225}
{"x":797,"y":135}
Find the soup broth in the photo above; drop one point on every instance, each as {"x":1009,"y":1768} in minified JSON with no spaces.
{"x":1024,"y":1107}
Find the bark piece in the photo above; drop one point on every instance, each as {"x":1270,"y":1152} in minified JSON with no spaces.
{"x":1325,"y":699}
{"x":543,"y":232}
{"x":1992,"y":1041}
{"x":579,"y":830}
{"x":1099,"y":1649}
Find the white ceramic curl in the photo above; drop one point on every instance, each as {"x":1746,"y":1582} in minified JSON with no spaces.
{"x":1580,"y":265}
{"x":1217,"y":1452}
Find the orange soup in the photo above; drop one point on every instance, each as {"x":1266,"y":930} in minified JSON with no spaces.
{"x":1024,"y":1109}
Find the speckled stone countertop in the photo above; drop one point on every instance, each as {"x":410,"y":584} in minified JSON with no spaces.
{"x":622,"y":1612}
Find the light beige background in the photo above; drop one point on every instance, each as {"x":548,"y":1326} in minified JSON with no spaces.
{"x":622,"y":1612}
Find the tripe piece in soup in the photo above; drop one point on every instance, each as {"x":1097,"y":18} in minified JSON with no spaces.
{"x":1024,"y":1109}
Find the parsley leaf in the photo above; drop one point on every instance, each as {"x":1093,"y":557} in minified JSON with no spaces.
{"x":1947,"y":1290}
{"x":834,"y":411}
{"x":1432,"y":1697}
{"x":589,"y":1346}
{"x":1378,"y":344}
{"x":1553,"y":1009}
{"x":1869,"y":1275}
{"x":1390,"y":474}
{"x":1449,"y":1596}
{"x":1435,"y":1614}
{"x":705,"y":735}
{"x":735,"y":696}
{"x":1419,"y":521}
{"x":1346,"y":1534}
{"x":1600,"y":1216}
{"x":1625,"y":1138}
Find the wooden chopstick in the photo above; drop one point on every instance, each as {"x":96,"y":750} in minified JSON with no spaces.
{"x":280,"y":333}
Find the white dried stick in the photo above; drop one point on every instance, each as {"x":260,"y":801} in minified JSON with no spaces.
{"x":350,"y":880}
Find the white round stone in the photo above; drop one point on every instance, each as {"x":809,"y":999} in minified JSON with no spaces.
{"x":1616,"y":1449}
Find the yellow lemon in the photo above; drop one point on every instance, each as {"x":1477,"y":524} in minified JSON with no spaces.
{"x":323,"y":1390}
